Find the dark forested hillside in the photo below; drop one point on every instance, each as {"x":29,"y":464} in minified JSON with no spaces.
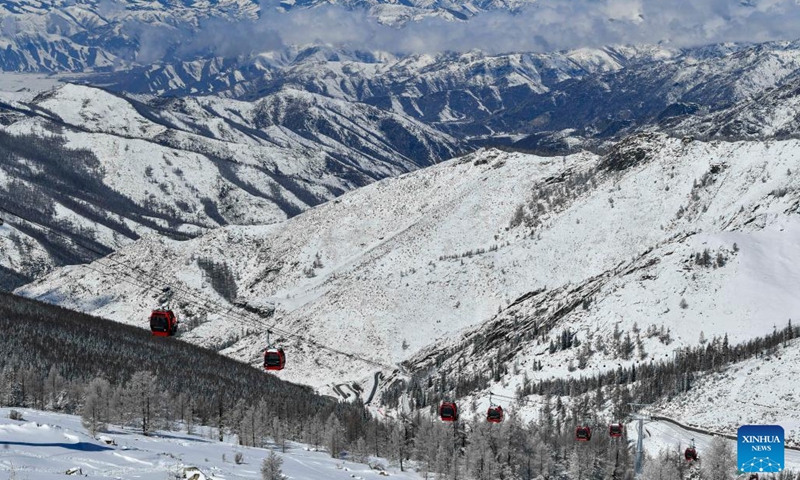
{"x":49,"y":354}
{"x":56,"y":359}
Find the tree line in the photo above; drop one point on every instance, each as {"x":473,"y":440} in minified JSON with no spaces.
{"x":55,"y":359}
{"x":109,"y":373}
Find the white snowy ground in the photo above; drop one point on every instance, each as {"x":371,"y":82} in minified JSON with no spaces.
{"x":45,"y":445}
{"x":762,"y":391}
{"x":666,"y":436}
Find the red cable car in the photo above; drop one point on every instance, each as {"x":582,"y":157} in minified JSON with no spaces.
{"x":163,"y":323}
{"x":690,"y":454}
{"x":494,"y":414}
{"x":274,"y":359}
{"x":615,"y":430}
{"x":448,"y":412}
{"x":583,"y":434}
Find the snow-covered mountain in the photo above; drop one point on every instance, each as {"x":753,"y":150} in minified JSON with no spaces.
{"x":487,"y":246}
{"x":106,"y":169}
{"x":771,"y":114}
{"x":60,"y":35}
{"x":548,"y":102}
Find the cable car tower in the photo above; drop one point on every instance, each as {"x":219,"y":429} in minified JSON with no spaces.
{"x":640,"y":418}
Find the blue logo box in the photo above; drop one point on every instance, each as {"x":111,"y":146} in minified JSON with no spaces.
{"x":760,"y":449}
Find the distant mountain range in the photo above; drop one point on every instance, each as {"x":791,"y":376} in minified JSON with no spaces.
{"x":228,"y":141}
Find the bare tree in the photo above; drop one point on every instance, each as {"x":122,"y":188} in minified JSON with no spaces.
{"x":660,"y":467}
{"x":719,"y":462}
{"x":95,"y":414}
{"x":141,"y":400}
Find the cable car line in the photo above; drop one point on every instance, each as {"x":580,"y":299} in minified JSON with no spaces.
{"x":206,"y":305}
{"x":502,"y":396}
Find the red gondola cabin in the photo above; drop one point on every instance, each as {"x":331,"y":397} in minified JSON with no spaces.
{"x":163,"y":323}
{"x":583,"y":434}
{"x":690,"y":454}
{"x":448,"y":412}
{"x":615,"y":430}
{"x":494,"y":414}
{"x":274,"y":359}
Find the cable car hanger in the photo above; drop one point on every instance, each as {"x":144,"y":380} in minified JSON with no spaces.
{"x":495,"y":412}
{"x":274,"y":358}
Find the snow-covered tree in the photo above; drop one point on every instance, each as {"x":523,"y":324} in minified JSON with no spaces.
{"x":271,"y":467}
{"x":660,"y":467}
{"x":141,"y":400}
{"x":334,"y":435}
{"x":95,"y":412}
{"x":719,"y":460}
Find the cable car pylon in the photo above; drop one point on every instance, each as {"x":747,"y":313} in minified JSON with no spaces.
{"x":640,"y":418}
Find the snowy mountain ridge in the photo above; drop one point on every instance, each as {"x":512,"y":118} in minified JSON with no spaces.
{"x":544,"y":102}
{"x":181,"y":166}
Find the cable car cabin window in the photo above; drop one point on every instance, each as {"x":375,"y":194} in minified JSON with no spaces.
{"x":159,"y":323}
{"x":615,"y":430}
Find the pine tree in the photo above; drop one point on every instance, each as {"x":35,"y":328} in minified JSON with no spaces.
{"x":141,"y":400}
{"x":279,"y":434}
{"x":398,"y":443}
{"x":361,"y":451}
{"x":271,"y":467}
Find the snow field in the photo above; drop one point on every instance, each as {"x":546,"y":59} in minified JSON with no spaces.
{"x":45,"y":445}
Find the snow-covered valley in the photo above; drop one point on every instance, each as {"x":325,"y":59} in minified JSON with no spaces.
{"x":46,"y":445}
{"x":394,"y":271}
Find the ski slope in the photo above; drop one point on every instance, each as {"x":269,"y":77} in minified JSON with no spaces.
{"x":45,"y":445}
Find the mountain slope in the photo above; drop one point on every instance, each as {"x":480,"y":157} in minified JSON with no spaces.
{"x":393,"y":268}
{"x":546,"y":102}
{"x":105,"y":169}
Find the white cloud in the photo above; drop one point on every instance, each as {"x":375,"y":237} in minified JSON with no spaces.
{"x":542,"y":26}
